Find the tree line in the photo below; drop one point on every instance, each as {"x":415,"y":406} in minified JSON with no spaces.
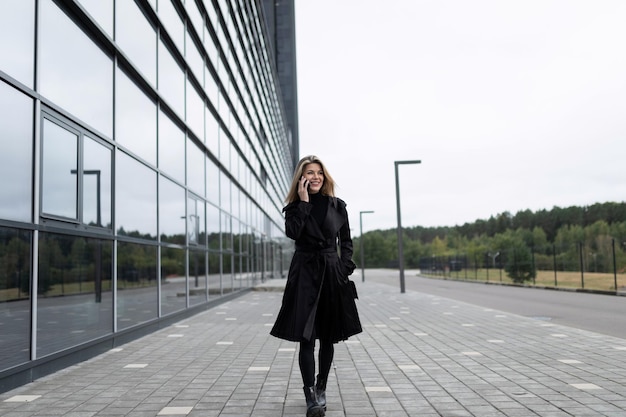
{"x":589,"y":237}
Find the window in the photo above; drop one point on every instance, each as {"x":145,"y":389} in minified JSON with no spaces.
{"x":73,"y":71}
{"x":135,"y":119}
{"x":75,"y":174}
{"x":17,"y":24}
{"x":137,"y":38}
{"x":16,"y":154}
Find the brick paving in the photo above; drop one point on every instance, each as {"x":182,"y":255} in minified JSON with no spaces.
{"x":419,"y":355}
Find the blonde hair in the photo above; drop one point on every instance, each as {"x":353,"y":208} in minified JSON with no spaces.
{"x":328,"y":187}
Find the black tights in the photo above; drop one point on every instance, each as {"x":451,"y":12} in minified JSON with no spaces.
{"x":306,"y":360}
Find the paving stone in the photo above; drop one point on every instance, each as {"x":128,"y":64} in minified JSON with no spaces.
{"x":418,"y":355}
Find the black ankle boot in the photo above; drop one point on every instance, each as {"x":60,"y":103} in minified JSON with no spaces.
{"x":313,"y":409}
{"x":320,"y":392}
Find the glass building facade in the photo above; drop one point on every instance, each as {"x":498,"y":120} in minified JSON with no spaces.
{"x":145,"y":152}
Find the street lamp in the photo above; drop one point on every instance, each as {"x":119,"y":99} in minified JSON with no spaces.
{"x":361,"y":242}
{"x":400,"y":249}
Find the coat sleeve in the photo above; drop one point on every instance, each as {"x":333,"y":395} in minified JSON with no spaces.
{"x":296,"y":215}
{"x":345,"y":241}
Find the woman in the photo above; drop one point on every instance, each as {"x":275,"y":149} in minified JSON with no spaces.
{"x":318,"y":302}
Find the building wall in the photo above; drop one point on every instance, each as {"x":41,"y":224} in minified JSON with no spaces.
{"x":144,"y":158}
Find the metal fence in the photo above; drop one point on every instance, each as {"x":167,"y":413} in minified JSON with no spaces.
{"x":601,"y":266}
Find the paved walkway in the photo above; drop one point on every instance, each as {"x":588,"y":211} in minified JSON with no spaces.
{"x":419,"y":355}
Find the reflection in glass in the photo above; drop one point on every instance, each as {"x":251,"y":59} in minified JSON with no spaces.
{"x":195,"y":168}
{"x":136,"y":198}
{"x":212,"y":133}
{"x":59,"y":179}
{"x":73,"y":71}
{"x":213,"y":227}
{"x":173,"y":24}
{"x":14,"y":297}
{"x":171,"y":148}
{"x":136,"y":284}
{"x":17,"y":24}
{"x":74,"y":291}
{"x":96,"y":183}
{"x":171,"y":80}
{"x":212,"y":182}
{"x":225,"y":189}
{"x":137,"y":37}
{"x":102,"y":12}
{"x":173,"y":280}
{"x":171,"y":212}
{"x":197,"y":277}
{"x":16,"y":154}
{"x":135,"y":119}
{"x":195,"y":221}
{"x":195,"y":112}
{"x":194,"y":59}
{"x":227,"y":237}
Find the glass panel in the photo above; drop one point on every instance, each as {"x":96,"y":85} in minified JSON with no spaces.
{"x":59,"y":182}
{"x":212,"y":182}
{"x":195,"y":16}
{"x":136,"y":284}
{"x":195,"y":168}
{"x":136,"y":121}
{"x":194,"y":60}
{"x":102,"y":12}
{"x":96,"y":184}
{"x":174,"y":26}
{"x":225,"y":187}
{"x":73,"y":72}
{"x":212,"y":133}
{"x":171,"y":81}
{"x":75,"y":300}
{"x":227,"y":237}
{"x":213,"y":227}
{"x":193,"y":221}
{"x":197,"y":277}
{"x":137,"y":38}
{"x":16,"y":154}
{"x":195,"y":112}
{"x":173,"y":280}
{"x":171,"y":211}
{"x":171,"y":148}
{"x":17,"y":23}
{"x":14,"y":297}
{"x":136,"y":197}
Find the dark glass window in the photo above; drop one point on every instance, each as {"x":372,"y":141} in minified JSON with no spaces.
{"x":173,"y":280}
{"x":16,"y":154}
{"x":171,"y":211}
{"x":137,"y":300}
{"x":14,"y":296}
{"x":136,"y":198}
{"x":73,"y":71}
{"x":17,"y":24}
{"x":197,"y":277}
{"x":75,"y":300}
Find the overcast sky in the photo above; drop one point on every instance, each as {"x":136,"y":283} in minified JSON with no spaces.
{"x":510,"y":105}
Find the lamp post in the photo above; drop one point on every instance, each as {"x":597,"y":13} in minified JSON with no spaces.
{"x":361,"y":243}
{"x":400,"y":249}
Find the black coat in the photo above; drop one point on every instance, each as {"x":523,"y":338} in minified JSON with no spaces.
{"x":318,"y":302}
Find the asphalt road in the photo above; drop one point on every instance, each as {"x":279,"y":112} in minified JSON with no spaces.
{"x":605,"y":314}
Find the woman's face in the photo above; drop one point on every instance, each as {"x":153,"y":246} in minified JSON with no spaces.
{"x":314,"y":176}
